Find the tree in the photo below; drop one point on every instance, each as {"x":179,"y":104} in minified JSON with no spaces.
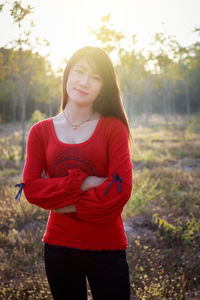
{"x":44,"y":85}
{"x":109,"y":38}
{"x":133,"y":80}
{"x":192,"y":74}
{"x":165,"y":67}
{"x":19,"y":14}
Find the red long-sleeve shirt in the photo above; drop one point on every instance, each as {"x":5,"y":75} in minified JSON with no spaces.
{"x":97,"y":224}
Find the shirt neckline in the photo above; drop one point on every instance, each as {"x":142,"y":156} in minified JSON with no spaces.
{"x":79,"y":144}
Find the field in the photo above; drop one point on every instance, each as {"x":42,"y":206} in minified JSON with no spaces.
{"x":162,"y":218}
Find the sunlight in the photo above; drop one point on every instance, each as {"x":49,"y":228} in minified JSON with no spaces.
{"x":65,"y":24}
{"x":67,"y":28}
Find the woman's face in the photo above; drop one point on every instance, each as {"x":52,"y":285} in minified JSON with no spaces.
{"x":84,"y":83}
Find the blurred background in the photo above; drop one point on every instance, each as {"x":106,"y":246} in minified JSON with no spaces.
{"x":155,"y":49}
{"x":154,"y":46}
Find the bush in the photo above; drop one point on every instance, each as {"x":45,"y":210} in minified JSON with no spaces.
{"x":36,"y":117}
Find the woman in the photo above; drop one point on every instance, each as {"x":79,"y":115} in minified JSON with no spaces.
{"x":78,"y":167}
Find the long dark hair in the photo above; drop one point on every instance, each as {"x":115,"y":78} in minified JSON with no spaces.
{"x":108,"y":102}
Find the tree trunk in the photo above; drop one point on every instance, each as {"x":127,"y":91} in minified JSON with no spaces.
{"x":14,"y":105}
{"x":50,"y":108}
{"x":187,"y":92}
{"x":4,"y":112}
{"x":23,"y":103}
{"x":148,"y":104}
{"x":165,"y":107}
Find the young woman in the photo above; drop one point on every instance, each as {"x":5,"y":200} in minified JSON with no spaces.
{"x":78,"y":167}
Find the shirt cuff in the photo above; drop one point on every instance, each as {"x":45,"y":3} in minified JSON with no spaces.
{"x":73,"y":181}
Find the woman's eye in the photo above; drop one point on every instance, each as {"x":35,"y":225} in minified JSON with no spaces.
{"x":78,"y":71}
{"x":96,"y":78}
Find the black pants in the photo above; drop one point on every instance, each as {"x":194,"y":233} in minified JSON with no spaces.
{"x":107,"y":273}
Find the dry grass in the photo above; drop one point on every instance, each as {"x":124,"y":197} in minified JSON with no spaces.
{"x":163,"y":214}
{"x":164,"y":211}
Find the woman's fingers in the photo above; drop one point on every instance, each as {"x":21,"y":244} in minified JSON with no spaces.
{"x":99,"y":180}
{"x":66,"y":209}
{"x":91,"y":182}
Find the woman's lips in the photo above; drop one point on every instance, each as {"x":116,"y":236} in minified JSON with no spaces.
{"x":81,"y":92}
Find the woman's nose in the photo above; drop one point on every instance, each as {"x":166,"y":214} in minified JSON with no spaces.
{"x":85,"y":80}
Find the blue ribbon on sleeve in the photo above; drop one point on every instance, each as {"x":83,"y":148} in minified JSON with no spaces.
{"x":116,"y":178}
{"x":18,"y":196}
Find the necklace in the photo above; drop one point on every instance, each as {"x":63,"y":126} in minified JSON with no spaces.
{"x":75,"y":126}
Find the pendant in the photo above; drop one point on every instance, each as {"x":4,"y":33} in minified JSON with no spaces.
{"x":74,"y":127}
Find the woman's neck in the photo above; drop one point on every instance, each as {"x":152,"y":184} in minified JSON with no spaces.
{"x":78,"y":113}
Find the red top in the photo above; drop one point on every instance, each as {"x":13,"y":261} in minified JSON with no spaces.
{"x":97,"y":224}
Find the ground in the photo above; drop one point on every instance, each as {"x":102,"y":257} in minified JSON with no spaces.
{"x":162,"y":217}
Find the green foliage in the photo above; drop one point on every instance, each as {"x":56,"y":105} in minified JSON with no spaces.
{"x":145,"y":190}
{"x":36,"y":117}
{"x":188,"y":231}
{"x":163,"y":79}
{"x":107,"y":35}
{"x":18,"y":12}
{"x":42,"y":86}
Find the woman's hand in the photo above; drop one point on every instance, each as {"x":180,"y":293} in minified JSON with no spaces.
{"x":88,"y":183}
{"x":92,"y":182}
{"x":66,"y":209}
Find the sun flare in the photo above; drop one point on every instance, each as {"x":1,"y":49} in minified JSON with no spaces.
{"x":65,"y":23}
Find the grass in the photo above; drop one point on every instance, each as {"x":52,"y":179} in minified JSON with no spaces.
{"x":22,"y":273}
{"x":163,"y":212}
{"x":164,"y":250}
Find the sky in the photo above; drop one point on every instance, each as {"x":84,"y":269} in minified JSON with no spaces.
{"x":64,"y":23}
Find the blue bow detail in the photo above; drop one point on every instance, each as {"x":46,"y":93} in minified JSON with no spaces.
{"x":18,"y":196}
{"x":116,"y":178}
